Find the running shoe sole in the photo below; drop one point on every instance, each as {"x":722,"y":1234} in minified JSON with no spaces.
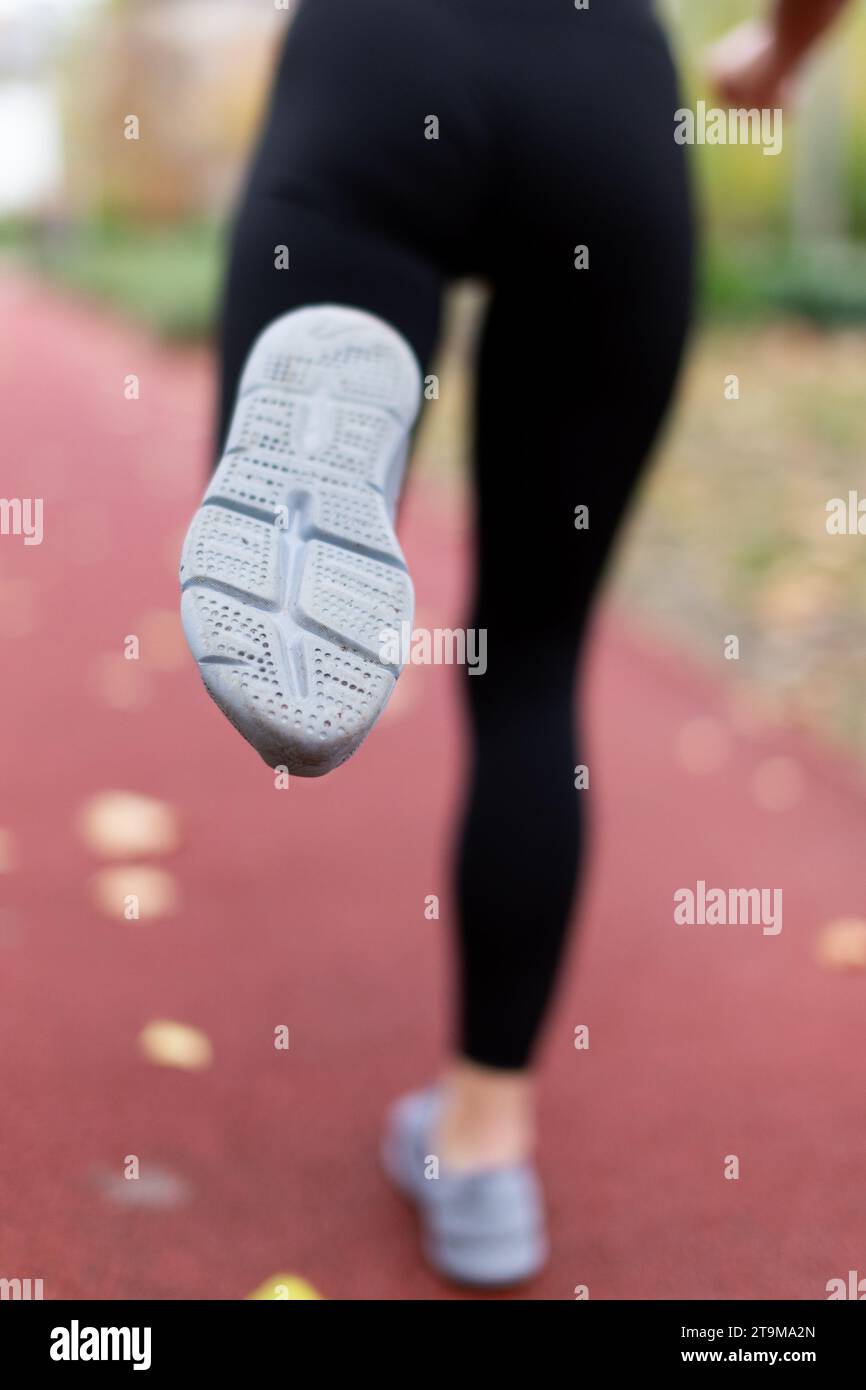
{"x":291,"y":571}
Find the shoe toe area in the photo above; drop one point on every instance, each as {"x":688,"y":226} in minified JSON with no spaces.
{"x":487,"y":1228}
{"x":306,"y":710}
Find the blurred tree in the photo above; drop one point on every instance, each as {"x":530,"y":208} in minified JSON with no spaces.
{"x":819,"y":214}
{"x":195,"y":73}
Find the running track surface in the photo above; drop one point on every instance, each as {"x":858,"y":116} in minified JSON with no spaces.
{"x":306,"y":907}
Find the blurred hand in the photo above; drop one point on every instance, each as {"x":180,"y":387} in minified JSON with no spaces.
{"x":745,"y":68}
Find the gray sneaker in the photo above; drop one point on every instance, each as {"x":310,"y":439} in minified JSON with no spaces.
{"x":295,"y":590}
{"x":484,"y":1228}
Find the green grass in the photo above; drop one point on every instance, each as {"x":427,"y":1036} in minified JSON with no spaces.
{"x":164,"y":278}
{"x":762,"y":280}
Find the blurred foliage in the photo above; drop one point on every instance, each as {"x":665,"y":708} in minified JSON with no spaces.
{"x":730,"y":535}
{"x":158,"y":258}
{"x":744,"y":191}
{"x":193,"y":74}
{"x":760,"y":280}
{"x":166,"y":278}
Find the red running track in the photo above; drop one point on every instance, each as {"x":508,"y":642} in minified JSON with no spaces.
{"x":306,"y":907}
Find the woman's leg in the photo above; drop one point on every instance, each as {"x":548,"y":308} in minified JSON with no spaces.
{"x":576,"y":372}
{"x":582,"y":443}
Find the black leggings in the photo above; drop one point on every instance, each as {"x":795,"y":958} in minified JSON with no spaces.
{"x":555,"y":131}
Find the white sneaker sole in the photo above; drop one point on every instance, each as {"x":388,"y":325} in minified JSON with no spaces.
{"x":291,"y":571}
